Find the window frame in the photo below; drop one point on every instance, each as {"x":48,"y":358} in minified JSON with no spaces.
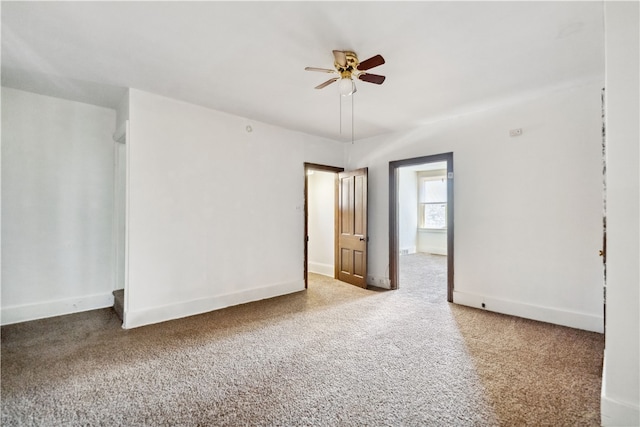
{"x":439,"y":175}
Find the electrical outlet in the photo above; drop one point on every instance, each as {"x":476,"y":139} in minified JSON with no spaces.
{"x":515,"y":132}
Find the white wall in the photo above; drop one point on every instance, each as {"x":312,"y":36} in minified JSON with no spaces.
{"x":321,"y":222}
{"x":57,"y":202}
{"x":620,"y":390}
{"x":432,"y":241}
{"x":528,"y":210}
{"x":216,"y":213}
{"x":407,"y":210}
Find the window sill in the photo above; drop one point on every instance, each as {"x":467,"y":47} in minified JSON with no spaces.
{"x":432,"y":230}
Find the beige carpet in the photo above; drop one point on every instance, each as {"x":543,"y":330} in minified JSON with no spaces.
{"x":533,"y":373}
{"x":333,"y":355}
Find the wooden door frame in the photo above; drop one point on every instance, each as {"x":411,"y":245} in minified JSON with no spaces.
{"x":322,"y":168}
{"x":393,"y":215}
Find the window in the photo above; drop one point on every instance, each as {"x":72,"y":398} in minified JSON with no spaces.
{"x":432,"y":202}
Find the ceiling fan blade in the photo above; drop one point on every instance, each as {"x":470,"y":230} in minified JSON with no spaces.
{"x":322,"y":70}
{"x":374,"y":61}
{"x":341,"y":57}
{"x":327,"y":83}
{"x":371,"y":78}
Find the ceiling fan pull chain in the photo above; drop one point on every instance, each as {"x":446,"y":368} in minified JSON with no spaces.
{"x":352,"y":120}
{"x":340,"y":110}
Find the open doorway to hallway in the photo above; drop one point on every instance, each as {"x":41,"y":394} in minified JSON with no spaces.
{"x":421,"y":221}
{"x":320,"y":220}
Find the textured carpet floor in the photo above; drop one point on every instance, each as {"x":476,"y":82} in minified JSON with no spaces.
{"x":332,"y":355}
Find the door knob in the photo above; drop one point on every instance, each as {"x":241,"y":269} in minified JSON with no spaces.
{"x":362,"y":239}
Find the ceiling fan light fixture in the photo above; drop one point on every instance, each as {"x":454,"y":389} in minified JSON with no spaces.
{"x":346,"y":86}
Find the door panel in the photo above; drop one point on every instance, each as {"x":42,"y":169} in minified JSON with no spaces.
{"x":352,"y":235}
{"x":344,"y":261}
{"x":360,"y":200}
{"x":358,"y":263}
{"x":346,"y":205}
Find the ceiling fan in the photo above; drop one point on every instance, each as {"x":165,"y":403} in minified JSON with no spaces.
{"x":347,"y":66}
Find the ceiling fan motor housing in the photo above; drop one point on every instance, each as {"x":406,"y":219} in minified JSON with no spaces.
{"x":350,"y":65}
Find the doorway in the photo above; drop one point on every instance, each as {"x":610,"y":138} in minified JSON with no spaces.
{"x":421,"y":213}
{"x":320,"y":206}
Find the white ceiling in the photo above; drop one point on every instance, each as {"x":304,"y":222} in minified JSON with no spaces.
{"x":248,"y":58}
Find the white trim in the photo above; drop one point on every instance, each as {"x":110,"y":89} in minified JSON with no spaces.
{"x":614,"y":412}
{"x":116,"y":223}
{"x":320,"y":268}
{"x":127,"y":191}
{"x":41,"y":310}
{"x":120,"y":135}
{"x":134,"y":319}
{"x":553,"y":315}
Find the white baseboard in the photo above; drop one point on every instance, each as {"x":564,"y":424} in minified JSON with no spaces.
{"x":324,"y":269}
{"x":42,"y":310}
{"x":137,"y":318}
{"x":556,"y":316}
{"x":436,"y":250}
{"x":614,"y":412}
